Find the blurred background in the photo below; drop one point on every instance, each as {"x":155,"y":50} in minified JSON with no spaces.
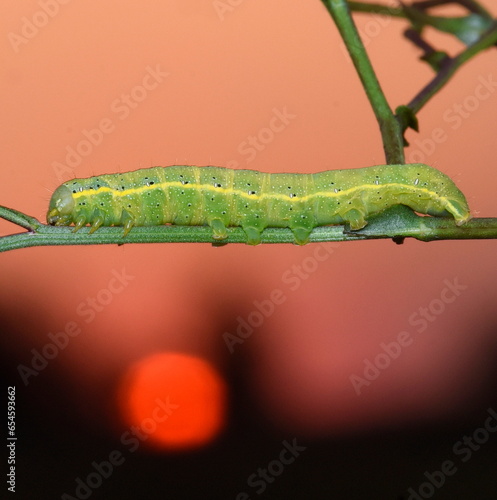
{"x":350,"y":370}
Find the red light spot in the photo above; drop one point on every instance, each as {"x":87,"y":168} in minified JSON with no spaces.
{"x":174,"y":400}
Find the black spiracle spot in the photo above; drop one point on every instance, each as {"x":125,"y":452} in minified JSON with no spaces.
{"x":212,"y":199}
{"x":157,"y":205}
{"x":129,"y":206}
{"x":252,"y":192}
{"x":152,"y":183}
{"x":223,"y":212}
{"x":217,"y":185}
{"x":189,"y":205}
{"x":74,"y":191}
{"x":293,"y":195}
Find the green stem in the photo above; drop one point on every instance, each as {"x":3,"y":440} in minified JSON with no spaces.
{"x":391,"y":132}
{"x":470,"y":5}
{"x":23,"y":220}
{"x":448,"y":70}
{"x":397,"y":223}
{"x":376,"y":8}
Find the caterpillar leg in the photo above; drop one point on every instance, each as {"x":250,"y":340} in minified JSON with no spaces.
{"x":79,"y":223}
{"x":98,"y":220}
{"x":127,"y":221}
{"x":302,"y":226}
{"x":219,"y":231}
{"x":460,"y":213}
{"x":253,"y":235}
{"x":355,"y":219}
{"x":301,"y":235}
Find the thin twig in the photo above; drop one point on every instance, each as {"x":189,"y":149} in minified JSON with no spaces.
{"x":391,"y":132}
{"x":451,"y":66}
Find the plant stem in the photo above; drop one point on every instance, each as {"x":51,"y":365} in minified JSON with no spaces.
{"x":398,"y":222}
{"x":376,"y":8}
{"x":23,"y":220}
{"x":449,"y":68}
{"x":389,"y":127}
{"x":470,"y":5}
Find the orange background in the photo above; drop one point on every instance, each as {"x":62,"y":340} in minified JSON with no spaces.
{"x":227,"y":72}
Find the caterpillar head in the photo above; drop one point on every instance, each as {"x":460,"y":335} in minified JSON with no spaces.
{"x":61,"y":207}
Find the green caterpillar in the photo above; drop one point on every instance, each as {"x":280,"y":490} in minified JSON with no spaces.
{"x":222,"y":197}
